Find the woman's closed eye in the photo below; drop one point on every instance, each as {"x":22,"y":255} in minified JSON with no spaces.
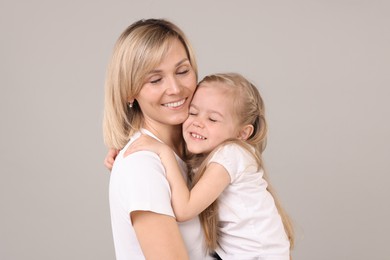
{"x":155,"y":80}
{"x":183,"y":72}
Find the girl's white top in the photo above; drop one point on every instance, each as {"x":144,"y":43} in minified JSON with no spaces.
{"x":138,"y":182}
{"x":250,"y":225}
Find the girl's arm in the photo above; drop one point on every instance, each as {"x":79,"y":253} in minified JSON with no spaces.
{"x":186,"y":204}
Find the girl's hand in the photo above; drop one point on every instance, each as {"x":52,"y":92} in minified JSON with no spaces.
{"x":146,"y":143}
{"x":110,"y":158}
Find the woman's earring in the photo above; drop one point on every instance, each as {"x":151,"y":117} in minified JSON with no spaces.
{"x":130,"y":105}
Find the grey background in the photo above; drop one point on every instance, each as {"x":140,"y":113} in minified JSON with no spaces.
{"x":322,"y":67}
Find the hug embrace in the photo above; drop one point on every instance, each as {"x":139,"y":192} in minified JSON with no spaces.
{"x":187,"y":178}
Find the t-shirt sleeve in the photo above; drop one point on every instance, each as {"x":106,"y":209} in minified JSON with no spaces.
{"x":143,"y":185}
{"x":235,"y":159}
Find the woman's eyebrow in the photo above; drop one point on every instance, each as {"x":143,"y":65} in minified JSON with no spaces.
{"x":181,"y":62}
{"x":176,"y":65}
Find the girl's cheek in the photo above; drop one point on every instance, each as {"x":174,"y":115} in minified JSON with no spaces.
{"x":186,"y":123}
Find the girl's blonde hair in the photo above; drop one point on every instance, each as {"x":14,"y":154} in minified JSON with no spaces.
{"x":139,"y":49}
{"x":248,"y":107}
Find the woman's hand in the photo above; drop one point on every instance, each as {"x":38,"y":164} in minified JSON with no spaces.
{"x":110,"y":158}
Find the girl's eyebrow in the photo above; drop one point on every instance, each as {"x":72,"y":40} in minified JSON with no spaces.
{"x":176,"y":65}
{"x":215,"y":112}
{"x":210,"y":111}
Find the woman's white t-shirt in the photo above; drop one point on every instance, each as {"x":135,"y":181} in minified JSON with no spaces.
{"x":250,"y":225}
{"x":138,"y":182}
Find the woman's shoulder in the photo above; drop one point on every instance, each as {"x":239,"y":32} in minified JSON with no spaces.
{"x":144,"y":161}
{"x":140,"y":170}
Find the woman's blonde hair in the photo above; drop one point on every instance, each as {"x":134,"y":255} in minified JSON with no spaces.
{"x":249,"y":110}
{"x":139,"y":49}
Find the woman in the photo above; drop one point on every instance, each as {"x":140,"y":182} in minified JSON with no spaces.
{"x":150,"y":82}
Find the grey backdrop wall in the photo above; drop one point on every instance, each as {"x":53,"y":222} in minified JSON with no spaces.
{"x":323,"y":69}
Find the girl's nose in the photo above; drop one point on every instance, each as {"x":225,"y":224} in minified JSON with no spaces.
{"x":197,"y":123}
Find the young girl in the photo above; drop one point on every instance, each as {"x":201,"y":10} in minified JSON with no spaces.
{"x":226,"y":134}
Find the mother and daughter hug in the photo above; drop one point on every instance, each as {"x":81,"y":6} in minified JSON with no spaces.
{"x":187,"y":177}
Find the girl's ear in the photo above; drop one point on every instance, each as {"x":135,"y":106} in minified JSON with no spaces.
{"x":245,"y":132}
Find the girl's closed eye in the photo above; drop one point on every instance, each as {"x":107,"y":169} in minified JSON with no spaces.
{"x":213,"y":120}
{"x":192,"y":112}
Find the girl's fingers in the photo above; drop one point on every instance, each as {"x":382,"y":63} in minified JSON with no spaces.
{"x":110,"y":158}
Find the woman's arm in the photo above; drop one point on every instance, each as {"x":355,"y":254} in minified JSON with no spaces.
{"x":158,"y":235}
{"x":186,"y":204}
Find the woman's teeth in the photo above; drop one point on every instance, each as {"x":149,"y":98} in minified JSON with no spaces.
{"x":175,"y":104}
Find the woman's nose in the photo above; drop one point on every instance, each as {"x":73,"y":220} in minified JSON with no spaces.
{"x":174,"y":86}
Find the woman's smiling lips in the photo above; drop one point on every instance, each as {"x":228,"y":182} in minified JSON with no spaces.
{"x":175,"y":104}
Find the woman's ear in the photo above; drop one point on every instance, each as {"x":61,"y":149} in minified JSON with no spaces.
{"x":245,"y":132}
{"x":130,"y":102}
